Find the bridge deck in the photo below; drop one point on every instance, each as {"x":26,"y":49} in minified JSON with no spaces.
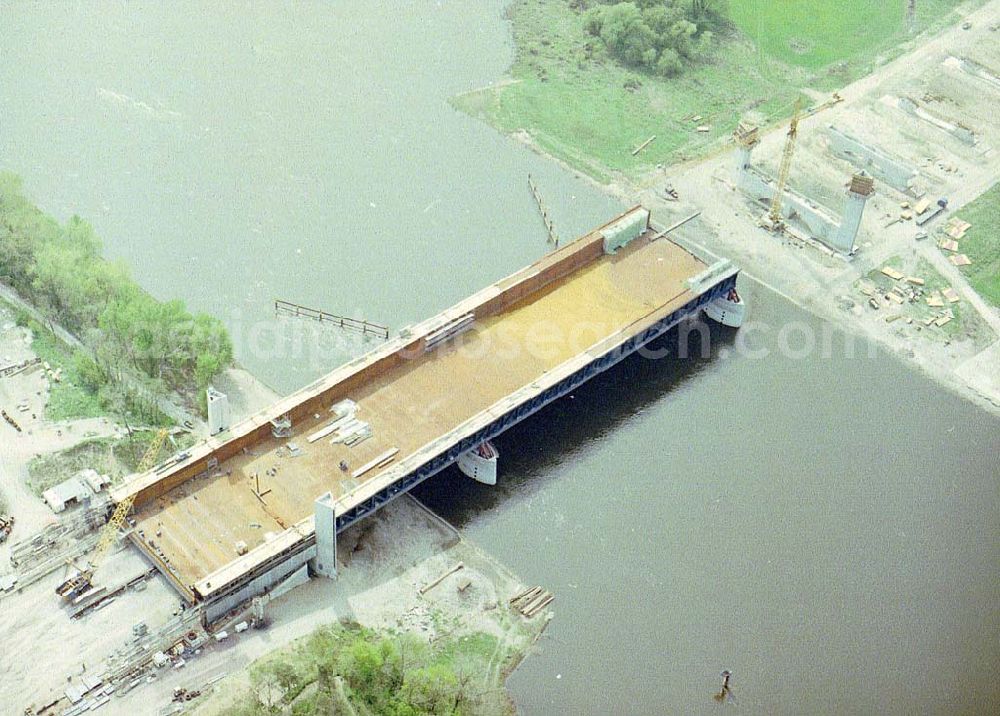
{"x":197,"y":524}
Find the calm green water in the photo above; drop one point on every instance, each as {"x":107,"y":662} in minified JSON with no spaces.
{"x":828,"y":528}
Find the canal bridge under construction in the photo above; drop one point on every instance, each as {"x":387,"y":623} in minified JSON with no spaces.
{"x":237,"y":514}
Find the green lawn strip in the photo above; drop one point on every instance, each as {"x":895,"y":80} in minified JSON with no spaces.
{"x":816,"y":33}
{"x":981,"y":244}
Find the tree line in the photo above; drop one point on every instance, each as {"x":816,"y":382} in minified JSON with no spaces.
{"x":655,"y":35}
{"x":131,"y":337}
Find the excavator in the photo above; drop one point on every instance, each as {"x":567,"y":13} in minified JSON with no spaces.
{"x":82,"y":580}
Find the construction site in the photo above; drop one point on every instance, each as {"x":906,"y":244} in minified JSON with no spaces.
{"x":168,"y":579}
{"x":849,"y":209}
{"x":119,"y":625}
{"x":260,"y":506}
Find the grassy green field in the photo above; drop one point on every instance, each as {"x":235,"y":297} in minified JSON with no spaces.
{"x":585,"y":108}
{"x":982,"y":244}
{"x":815,"y":34}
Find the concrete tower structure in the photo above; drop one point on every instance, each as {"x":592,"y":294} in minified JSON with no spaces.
{"x":861,"y":188}
{"x":325,"y":562}
{"x":219,"y":418}
{"x":747,"y":137}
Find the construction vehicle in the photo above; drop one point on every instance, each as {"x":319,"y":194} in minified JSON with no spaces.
{"x":82,"y":581}
{"x":774,"y":221}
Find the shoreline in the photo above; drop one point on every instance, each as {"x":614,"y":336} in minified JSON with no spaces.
{"x":965,"y":371}
{"x":933,"y":370}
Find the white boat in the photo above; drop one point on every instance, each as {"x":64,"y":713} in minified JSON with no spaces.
{"x":480,"y":463}
{"x":729,"y":310}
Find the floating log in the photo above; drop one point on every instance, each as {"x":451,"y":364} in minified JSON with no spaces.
{"x":531,"y":601}
{"x":526,"y":596}
{"x":521,"y":594}
{"x":544,"y":603}
{"x":528,"y":606}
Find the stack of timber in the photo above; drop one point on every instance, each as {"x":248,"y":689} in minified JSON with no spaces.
{"x":345,"y":424}
{"x":531,"y":601}
{"x":380,"y":461}
{"x":352,"y":432}
{"x":16,"y":368}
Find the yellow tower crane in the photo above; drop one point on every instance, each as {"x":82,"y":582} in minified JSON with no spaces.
{"x":81,"y":582}
{"x":774,"y":220}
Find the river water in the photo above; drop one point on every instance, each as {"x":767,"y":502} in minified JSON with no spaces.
{"x":825,"y":525}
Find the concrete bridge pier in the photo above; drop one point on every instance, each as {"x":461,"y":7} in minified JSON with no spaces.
{"x":325,"y":561}
{"x":861,"y":188}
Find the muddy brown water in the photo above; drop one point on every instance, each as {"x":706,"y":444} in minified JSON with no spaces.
{"x":825,"y":526}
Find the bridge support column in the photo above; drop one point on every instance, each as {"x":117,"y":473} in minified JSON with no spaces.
{"x":861,"y":188}
{"x":325,"y":562}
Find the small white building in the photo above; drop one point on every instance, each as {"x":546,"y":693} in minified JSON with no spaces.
{"x":95,"y":481}
{"x":72,"y":490}
{"x":78,"y":488}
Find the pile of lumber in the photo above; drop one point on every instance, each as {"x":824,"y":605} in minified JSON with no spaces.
{"x":449,"y":330}
{"x":531,"y":601}
{"x":956,"y":228}
{"x":16,"y":368}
